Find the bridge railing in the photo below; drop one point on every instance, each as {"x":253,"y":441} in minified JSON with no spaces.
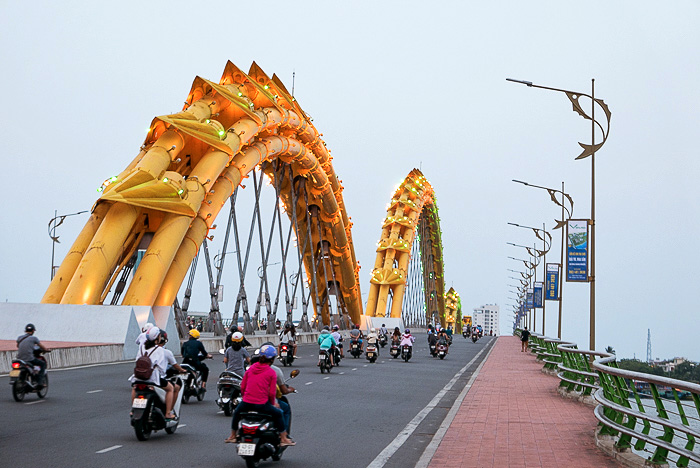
{"x":655,"y":416}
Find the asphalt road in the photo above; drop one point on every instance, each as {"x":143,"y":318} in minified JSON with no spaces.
{"x":346,"y":418}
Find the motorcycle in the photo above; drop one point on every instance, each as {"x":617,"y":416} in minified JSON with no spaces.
{"x":475,"y":336}
{"x":449,"y":340}
{"x":441,"y":351}
{"x":371,"y":353}
{"x":258,"y":436}
{"x":406,"y":352}
{"x":286,"y":355}
{"x":324,"y":361}
{"x":24,"y":378}
{"x":229,"y":389}
{"x":382,"y":339}
{"x":394,"y":351}
{"x":193,"y":384}
{"x":336,"y":355}
{"x":465,"y":334}
{"x":148,"y":409}
{"x":432,"y":348}
{"x":355,"y":349}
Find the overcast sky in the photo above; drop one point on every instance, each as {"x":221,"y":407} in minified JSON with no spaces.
{"x":392,"y":86}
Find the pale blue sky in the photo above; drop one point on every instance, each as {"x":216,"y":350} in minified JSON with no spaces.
{"x":392,"y":86}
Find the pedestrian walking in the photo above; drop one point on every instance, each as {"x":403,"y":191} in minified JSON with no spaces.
{"x":524,"y":337}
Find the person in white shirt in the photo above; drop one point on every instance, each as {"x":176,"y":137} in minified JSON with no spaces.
{"x":141,"y":339}
{"x":159,"y":360}
{"x":288,"y":336}
{"x":339,"y":339}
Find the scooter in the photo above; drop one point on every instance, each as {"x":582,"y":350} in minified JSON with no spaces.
{"x":371,"y":353}
{"x":355,"y":349}
{"x":406,"y":352}
{"x":324,"y":361}
{"x":465,"y":334}
{"x":336,"y":355}
{"x":382,"y":339}
{"x":24,"y":378}
{"x":441,"y":351}
{"x":475,"y":336}
{"x":433,"y":351}
{"x":193,"y":384}
{"x":229,"y":389}
{"x":258,"y":436}
{"x":394,"y":351}
{"x":148,"y":409}
{"x":286,"y":355}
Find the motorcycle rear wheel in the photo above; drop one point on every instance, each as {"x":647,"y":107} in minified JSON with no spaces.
{"x":185,"y":396}
{"x":142,"y":430}
{"x":251,"y":462}
{"x":442,"y":356}
{"x":171,"y":430}
{"x":200,"y":394}
{"x":42,"y":393}
{"x":19,"y":390}
{"x":227,"y":410}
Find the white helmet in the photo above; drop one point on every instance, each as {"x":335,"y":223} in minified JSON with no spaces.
{"x":147,"y":327}
{"x":152,"y":333}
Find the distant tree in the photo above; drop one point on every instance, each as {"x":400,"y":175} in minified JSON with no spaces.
{"x":687,"y":371}
{"x":610,"y":350}
{"x":638,"y":366}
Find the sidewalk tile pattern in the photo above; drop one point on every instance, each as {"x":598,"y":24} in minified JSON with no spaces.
{"x":514,"y":417}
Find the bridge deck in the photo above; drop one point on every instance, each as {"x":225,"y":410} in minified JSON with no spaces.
{"x":513,"y":416}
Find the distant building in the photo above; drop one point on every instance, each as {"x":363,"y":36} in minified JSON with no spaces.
{"x":668,"y":365}
{"x":487,"y":317}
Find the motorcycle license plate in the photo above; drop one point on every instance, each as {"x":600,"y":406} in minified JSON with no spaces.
{"x":283,"y":353}
{"x":139,"y":403}
{"x":370,"y":354}
{"x":246,"y":450}
{"x":321,"y":357}
{"x":14,"y":373}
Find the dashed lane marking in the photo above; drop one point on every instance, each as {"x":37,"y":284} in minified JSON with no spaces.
{"x":326,"y":378}
{"x":308,"y":383}
{"x":94,"y":391}
{"x":109,"y":449}
{"x":355,"y":368}
{"x":341,"y":373}
{"x":35,"y":402}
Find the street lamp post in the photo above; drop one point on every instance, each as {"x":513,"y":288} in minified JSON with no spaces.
{"x":560,"y":225}
{"x":588,"y":150}
{"x":56,"y":221}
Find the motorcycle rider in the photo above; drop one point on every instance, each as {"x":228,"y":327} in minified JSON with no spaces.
{"x":26,"y":344}
{"x":288,"y":336}
{"x":396,"y":336}
{"x":245,"y":343}
{"x":158,"y":357}
{"x":407,"y":339}
{"x":373,"y":339}
{"x":326,"y":342}
{"x":356,"y":335}
{"x":173,"y":366}
{"x":443,"y":339}
{"x":236,"y":356}
{"x":192,"y":353}
{"x":338,"y":339}
{"x":259,"y":390}
{"x":383,"y":330}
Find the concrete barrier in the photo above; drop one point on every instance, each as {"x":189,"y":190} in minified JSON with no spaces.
{"x":71,"y":357}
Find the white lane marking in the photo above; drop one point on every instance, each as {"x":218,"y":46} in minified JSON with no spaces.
{"x":108,"y":449}
{"x":180,"y":426}
{"x":341,"y":373}
{"x":326,"y":378}
{"x":94,"y":391}
{"x":406,"y":432}
{"x":308,"y":383}
{"x":432,"y":447}
{"x":35,"y":402}
{"x":355,"y":368}
{"x":365,"y":365}
{"x":220,"y":412}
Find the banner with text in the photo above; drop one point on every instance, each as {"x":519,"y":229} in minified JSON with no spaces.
{"x":530,"y":299}
{"x":551,"y":285}
{"x":577,"y":250}
{"x":538,"y":295}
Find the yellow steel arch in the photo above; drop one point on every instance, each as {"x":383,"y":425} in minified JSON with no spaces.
{"x":412,"y":211}
{"x":453,"y":310}
{"x":191,"y":162}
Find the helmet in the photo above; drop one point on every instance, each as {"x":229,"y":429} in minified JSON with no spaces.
{"x":326,"y":327}
{"x":287,"y":325}
{"x":237,"y":337}
{"x":357,"y":325}
{"x":336,"y":327}
{"x":383,"y":325}
{"x":408,"y":331}
{"x":147,"y":327}
{"x":194,"y":333}
{"x":152,"y":333}
{"x":30,"y":327}
{"x":163,"y":335}
{"x":268,"y":351}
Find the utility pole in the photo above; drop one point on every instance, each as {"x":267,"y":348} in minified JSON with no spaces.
{"x":648,"y":345}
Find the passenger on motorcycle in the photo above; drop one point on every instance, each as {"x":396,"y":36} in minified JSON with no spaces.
{"x":396,"y":336}
{"x":407,"y":338}
{"x":442,"y":338}
{"x":282,"y":389}
{"x":141,"y":339}
{"x":192,"y":353}
{"x":159,"y":359}
{"x":326,"y":342}
{"x":288,"y":336}
{"x":259,"y":391}
{"x":338,"y":339}
{"x":173,"y":366}
{"x":236,"y":356}
{"x":26,"y":344}
{"x":449,"y":331}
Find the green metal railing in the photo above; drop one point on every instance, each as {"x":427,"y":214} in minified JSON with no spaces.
{"x":657,"y":417}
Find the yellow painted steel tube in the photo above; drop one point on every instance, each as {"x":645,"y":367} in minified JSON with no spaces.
{"x":65,"y":272}
{"x":101,"y":256}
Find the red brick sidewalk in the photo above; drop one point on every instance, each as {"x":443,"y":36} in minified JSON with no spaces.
{"x":514,"y":417}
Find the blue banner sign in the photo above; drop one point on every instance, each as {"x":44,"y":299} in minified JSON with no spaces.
{"x":537,"y":300}
{"x":530,"y":299}
{"x":551,"y":284}
{"x":577,"y":250}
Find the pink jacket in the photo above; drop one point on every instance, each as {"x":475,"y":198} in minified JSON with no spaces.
{"x":259,"y":384}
